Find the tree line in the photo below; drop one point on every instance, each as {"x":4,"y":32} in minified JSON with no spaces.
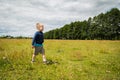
{"x":12,"y":37}
{"x":105,"y":26}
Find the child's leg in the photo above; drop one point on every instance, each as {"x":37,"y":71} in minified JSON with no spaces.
{"x":44,"y":58}
{"x":36,"y":51}
{"x":43,"y":55}
{"x":33,"y":57}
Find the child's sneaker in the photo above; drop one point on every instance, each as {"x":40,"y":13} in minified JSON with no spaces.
{"x":45,"y":62}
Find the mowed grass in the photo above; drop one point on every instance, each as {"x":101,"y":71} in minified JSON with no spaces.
{"x":68,"y":60}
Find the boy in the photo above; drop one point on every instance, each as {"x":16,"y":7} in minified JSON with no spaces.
{"x":37,"y":43}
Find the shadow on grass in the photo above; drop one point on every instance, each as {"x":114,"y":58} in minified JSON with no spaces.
{"x":50,"y":62}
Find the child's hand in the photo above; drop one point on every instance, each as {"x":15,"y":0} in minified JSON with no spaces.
{"x":33,"y":47}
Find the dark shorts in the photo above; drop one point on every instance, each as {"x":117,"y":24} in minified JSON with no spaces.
{"x":39,"y":50}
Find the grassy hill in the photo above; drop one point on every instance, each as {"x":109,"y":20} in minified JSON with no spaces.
{"x":68,"y":60}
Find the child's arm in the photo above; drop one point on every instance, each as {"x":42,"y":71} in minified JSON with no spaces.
{"x":33,"y":40}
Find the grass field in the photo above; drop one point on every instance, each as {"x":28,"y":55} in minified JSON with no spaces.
{"x":68,"y":60}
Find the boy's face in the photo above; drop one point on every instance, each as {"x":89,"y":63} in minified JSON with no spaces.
{"x":40,"y":27}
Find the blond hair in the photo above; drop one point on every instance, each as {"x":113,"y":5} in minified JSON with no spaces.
{"x":39,"y":26}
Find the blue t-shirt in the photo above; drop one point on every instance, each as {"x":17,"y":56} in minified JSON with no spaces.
{"x":37,"y":45}
{"x":38,"y":39}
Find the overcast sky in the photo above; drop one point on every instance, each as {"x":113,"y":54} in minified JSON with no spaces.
{"x":18,"y":17}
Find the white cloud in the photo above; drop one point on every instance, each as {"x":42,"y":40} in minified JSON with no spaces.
{"x":18,"y":17}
